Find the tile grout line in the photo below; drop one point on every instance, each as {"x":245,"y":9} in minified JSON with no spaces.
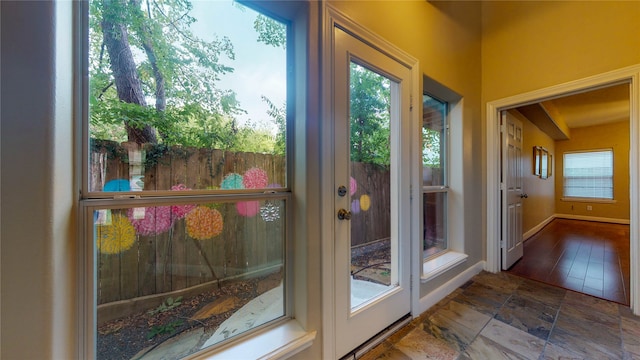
{"x":621,"y":332}
{"x":493,"y":316}
{"x":553,"y":326}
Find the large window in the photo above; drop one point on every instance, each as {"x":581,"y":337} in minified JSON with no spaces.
{"x":186,"y":189}
{"x":435,"y":187}
{"x":588,"y":174}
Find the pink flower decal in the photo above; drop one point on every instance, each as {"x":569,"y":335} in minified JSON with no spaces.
{"x":204,"y":223}
{"x":248,"y":208}
{"x":117,"y":237}
{"x":156,"y":220}
{"x":180,"y":211}
{"x":353,"y":186}
{"x":255,"y":178}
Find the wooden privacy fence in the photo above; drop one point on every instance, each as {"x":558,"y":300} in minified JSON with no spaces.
{"x":173,"y":260}
{"x":164,"y":167}
{"x":372,"y":185}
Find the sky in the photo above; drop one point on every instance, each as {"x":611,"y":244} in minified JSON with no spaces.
{"x":259,"y":69}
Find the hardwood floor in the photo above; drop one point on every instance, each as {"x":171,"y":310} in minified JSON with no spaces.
{"x":584,"y":256}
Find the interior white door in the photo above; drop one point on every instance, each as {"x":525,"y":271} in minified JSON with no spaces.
{"x":371,"y":95}
{"x":512,"y":192}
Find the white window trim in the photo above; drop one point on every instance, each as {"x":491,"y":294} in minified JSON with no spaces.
{"x":279,"y":342}
{"x":588,"y":199}
{"x":440,"y":263}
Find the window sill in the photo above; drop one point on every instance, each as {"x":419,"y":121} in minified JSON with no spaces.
{"x":280,"y":342}
{"x":590,"y":200}
{"x":436,"y":266}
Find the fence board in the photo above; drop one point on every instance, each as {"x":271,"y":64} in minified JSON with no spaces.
{"x":109,"y":278}
{"x":204,"y":180}
{"x":178,"y":166}
{"x":179,"y":260}
{"x":146,"y":265}
{"x":217,"y":167}
{"x":129,"y":273}
{"x":163,"y":257}
{"x":214,"y":249}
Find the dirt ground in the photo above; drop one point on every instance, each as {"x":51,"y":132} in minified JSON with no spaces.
{"x":123,"y":338}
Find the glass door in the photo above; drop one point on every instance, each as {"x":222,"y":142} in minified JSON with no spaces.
{"x":372,"y":105}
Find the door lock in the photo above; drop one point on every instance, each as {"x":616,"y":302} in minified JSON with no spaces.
{"x":524,"y":196}
{"x":342,"y":190}
{"x":344,"y":214}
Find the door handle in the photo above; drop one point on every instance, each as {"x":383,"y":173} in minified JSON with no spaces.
{"x":344,"y":214}
{"x":524,"y":196}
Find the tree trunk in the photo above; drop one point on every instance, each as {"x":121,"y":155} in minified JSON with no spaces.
{"x":128,"y":85}
{"x":145,"y":34}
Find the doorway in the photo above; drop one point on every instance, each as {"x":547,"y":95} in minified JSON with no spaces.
{"x":630,"y":76}
{"x":369,"y":274}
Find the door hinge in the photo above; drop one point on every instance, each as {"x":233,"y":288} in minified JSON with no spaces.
{"x":502,"y":186}
{"x":411,"y":102}
{"x":503,"y":128}
{"x":502,"y":244}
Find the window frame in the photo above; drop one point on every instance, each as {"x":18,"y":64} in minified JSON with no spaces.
{"x":583,"y":198}
{"x":441,"y":262}
{"x":276,"y":336}
{"x":444,"y":188}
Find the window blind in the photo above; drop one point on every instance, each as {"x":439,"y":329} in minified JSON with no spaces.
{"x":589,"y":174}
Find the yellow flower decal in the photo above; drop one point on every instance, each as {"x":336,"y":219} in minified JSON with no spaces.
{"x":203,"y":223}
{"x":117,"y":237}
{"x":365,"y":202}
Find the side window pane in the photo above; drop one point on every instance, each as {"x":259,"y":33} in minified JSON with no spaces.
{"x":433,"y":141}
{"x":172,"y":280}
{"x":434,"y":175}
{"x":435,"y":225}
{"x":185,"y":93}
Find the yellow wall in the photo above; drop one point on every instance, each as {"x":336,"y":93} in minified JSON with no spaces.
{"x":540,"y":205}
{"x":446,"y":39}
{"x":529,"y":45}
{"x":615,"y":136}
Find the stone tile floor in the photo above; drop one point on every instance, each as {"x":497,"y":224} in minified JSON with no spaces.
{"x":502,"y":316}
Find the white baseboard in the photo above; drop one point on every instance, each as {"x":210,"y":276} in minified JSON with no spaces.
{"x":447,"y":288}
{"x":593,"y":218}
{"x":537,"y":228}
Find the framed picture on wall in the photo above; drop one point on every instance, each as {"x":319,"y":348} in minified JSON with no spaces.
{"x":550,"y":166}
{"x":544,"y":163}
{"x":537,"y":156}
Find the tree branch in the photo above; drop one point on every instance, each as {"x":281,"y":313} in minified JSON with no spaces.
{"x":104,"y":89}
{"x":173,"y":22}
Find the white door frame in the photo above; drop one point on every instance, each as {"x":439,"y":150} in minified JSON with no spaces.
{"x":332,"y":18}
{"x":630,"y":75}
